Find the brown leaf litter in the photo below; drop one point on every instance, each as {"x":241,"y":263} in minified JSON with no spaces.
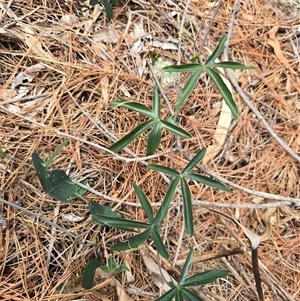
{"x":62,"y":62}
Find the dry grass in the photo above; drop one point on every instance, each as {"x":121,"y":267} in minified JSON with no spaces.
{"x":39,"y":262}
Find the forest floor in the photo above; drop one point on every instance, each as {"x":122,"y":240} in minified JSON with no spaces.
{"x":63,"y":62}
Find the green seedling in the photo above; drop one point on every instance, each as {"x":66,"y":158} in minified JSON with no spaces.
{"x":90,"y":269}
{"x":186,"y":194}
{"x":180,"y":291}
{"x":151,"y":229}
{"x":217,"y":79}
{"x":155,"y":122}
{"x":58,"y":185}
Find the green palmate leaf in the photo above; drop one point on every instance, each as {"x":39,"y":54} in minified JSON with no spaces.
{"x":187,"y":266}
{"x":98,"y":209}
{"x":123,"y":142}
{"x":203,"y":278}
{"x":133,"y":242}
{"x":169,"y":295}
{"x":199,"y":156}
{"x":160,"y":247}
{"x":207,"y":181}
{"x":156,"y":101}
{"x":134,"y":106}
{"x":189,"y":87}
{"x":226,"y":94}
{"x":178,"y":295}
{"x":144,"y":202}
{"x":190,"y":295}
{"x":232,"y":65}
{"x":57,"y":184}
{"x":183,"y":68}
{"x":154,"y":139}
{"x":120,"y":223}
{"x":175,"y":129}
{"x":187,"y":204}
{"x":164,"y":208}
{"x":217,"y":51}
{"x":167,"y":170}
{"x":89,"y":273}
{"x":108,"y":9}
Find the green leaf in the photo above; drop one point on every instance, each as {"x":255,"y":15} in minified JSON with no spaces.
{"x":187,"y":266}
{"x":41,"y":171}
{"x":190,"y":295}
{"x":164,"y":208}
{"x":105,"y":269}
{"x":58,"y":185}
{"x":217,"y":51}
{"x":98,"y":209}
{"x":154,"y":139}
{"x":187,"y":204}
{"x":169,"y":295}
{"x":232,"y":65}
{"x":199,"y":156}
{"x":120,"y":223}
{"x":175,"y":129}
{"x":134,"y":106}
{"x":112,"y":266}
{"x":89,"y":273}
{"x":54,"y":154}
{"x":80,"y":191}
{"x":94,"y":2}
{"x":156,"y":101}
{"x":194,"y":58}
{"x":188,"y":88}
{"x":123,"y":142}
{"x":207,"y":181}
{"x":178,"y":295}
{"x":1,"y":153}
{"x":217,"y":79}
{"x":62,"y":187}
{"x":164,"y":169}
{"x":114,"y":1}
{"x":203,"y":278}
{"x":183,"y":68}
{"x":133,"y":242}
{"x":160,"y":247}
{"x":174,"y":120}
{"x":108,"y":9}
{"x":124,"y":268}
{"x":144,"y":202}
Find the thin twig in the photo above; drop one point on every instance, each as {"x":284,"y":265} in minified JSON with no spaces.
{"x":283,"y":201}
{"x":254,"y":253}
{"x":207,"y":31}
{"x":8,"y":5}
